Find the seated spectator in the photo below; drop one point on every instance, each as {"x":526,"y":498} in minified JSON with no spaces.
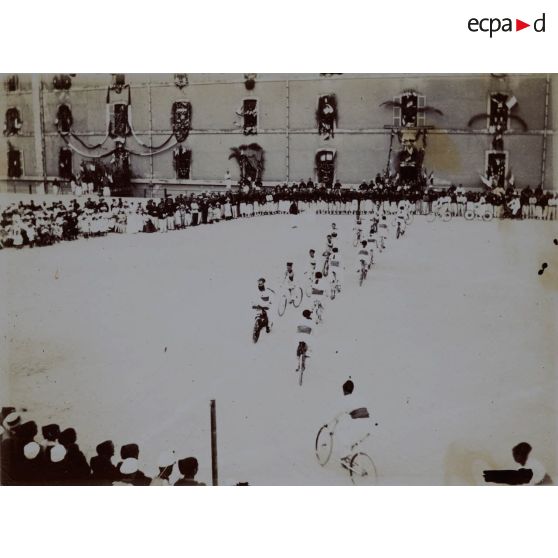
{"x":522,"y":455}
{"x":130,"y":474}
{"x":55,"y":471}
{"x":77,"y":470}
{"x":188,"y":469}
{"x":32,"y":467}
{"x":50,"y":433}
{"x":103,"y":471}
{"x":165,"y":463}
{"x":128,"y":450}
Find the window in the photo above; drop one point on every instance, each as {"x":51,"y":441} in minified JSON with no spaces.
{"x":15,"y":166}
{"x":325,"y":166}
{"x":326,"y":115}
{"x":182,"y":160}
{"x":118,"y":82}
{"x":118,"y":126}
{"x":250,"y":117}
{"x":62,"y":82}
{"x":13,"y":122}
{"x":497,"y":167}
{"x":65,"y":163}
{"x":12,"y":83}
{"x":64,"y":119}
{"x":498,"y":112}
{"x":408,"y":110}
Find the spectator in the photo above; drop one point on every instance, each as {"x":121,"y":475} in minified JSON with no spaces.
{"x":188,"y":469}
{"x":523,"y":456}
{"x":130,"y":474}
{"x":76,"y":468}
{"x":102,"y":469}
{"x":165,"y":463}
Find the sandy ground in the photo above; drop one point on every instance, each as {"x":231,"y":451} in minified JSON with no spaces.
{"x":450,"y":343}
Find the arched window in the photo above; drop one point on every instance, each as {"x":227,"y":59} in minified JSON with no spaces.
{"x":13,"y":122}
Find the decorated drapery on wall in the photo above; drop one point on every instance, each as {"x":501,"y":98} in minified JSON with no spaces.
{"x":12,"y":122}
{"x":181,"y":119}
{"x":326,"y":116}
{"x":251,"y":161}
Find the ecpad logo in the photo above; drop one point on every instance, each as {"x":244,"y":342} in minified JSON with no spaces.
{"x":494,"y":24}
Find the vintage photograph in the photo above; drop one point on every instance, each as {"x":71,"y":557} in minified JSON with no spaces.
{"x":324,"y":279}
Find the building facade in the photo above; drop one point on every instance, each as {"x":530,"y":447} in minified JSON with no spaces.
{"x":187,"y":129}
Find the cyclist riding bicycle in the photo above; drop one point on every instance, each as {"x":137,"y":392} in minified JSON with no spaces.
{"x":303,"y":335}
{"x":288,"y":280}
{"x":318,"y":291}
{"x":363,"y":255}
{"x":336,"y":268}
{"x":263,"y":302}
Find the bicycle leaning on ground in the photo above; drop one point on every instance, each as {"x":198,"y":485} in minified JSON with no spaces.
{"x":292,"y":295}
{"x":442,"y":213}
{"x":359,"y":465}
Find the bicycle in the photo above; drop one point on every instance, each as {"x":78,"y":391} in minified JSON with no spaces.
{"x":302,"y":355}
{"x":409,"y":218}
{"x":359,"y":464}
{"x":325,"y":270}
{"x":356,"y":239}
{"x":363,"y":271}
{"x":335,"y":287}
{"x":293,"y":296}
{"x":443,"y":214}
{"x":260,"y":322}
{"x":318,"y":311}
{"x":471,"y":214}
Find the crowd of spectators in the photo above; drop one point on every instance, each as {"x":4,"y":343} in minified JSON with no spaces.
{"x":67,"y":218}
{"x":53,"y":457}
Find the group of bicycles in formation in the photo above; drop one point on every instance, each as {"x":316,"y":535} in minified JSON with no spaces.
{"x":323,"y":280}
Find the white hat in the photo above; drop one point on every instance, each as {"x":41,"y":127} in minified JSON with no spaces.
{"x":166,"y":459}
{"x":2,"y":431}
{"x":13,"y":419}
{"x":31,"y":450}
{"x":57,"y":453}
{"x":129,"y":466}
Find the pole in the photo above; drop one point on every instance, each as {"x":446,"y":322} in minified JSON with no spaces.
{"x":214,"y":475}
{"x":543,"y":157}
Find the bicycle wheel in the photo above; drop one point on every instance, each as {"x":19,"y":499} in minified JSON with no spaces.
{"x":398,"y":232}
{"x":362,"y":470}
{"x":282,"y":306}
{"x":256,"y":333}
{"x":431,"y":217}
{"x":297,"y":296}
{"x":326,"y":268}
{"x":410,"y":218}
{"x":301,"y":368}
{"x":394,"y":222}
{"x":487,"y":216}
{"x":469,"y":215}
{"x":324,"y":445}
{"x":361,"y":277}
{"x":446,"y":216}
{"x":309,"y":289}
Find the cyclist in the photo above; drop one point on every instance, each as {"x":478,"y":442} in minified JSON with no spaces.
{"x":358,"y":230}
{"x":303,"y":333}
{"x":336,"y":268}
{"x":372,"y":242}
{"x":401,"y":218}
{"x":383,"y":230}
{"x":363,"y":256}
{"x":263,"y":302}
{"x":288,"y":280}
{"x":318,"y":295}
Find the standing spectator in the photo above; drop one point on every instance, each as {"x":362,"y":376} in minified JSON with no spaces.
{"x":55,"y":186}
{"x":32,"y":472}
{"x":50,"y":434}
{"x":188,"y":469}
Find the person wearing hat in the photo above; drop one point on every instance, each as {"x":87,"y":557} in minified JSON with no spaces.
{"x":165,"y":463}
{"x":11,"y":449}
{"x":103,"y":472}
{"x":130,"y":474}
{"x":32,"y":471}
{"x":303,"y":336}
{"x":126,"y":451}
{"x":50,"y":433}
{"x":188,"y":469}
{"x":77,"y":470}
{"x":353,"y":424}
{"x":264,"y":302}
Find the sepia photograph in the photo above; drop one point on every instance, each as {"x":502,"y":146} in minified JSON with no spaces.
{"x":278,"y":279}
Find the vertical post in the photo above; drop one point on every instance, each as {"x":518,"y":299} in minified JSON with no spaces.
{"x":38,"y":126}
{"x":150,"y":129}
{"x":545,"y":132}
{"x":214,"y":472}
{"x":287,"y":161}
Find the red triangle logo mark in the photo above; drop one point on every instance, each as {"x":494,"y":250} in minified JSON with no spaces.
{"x":519,"y":25}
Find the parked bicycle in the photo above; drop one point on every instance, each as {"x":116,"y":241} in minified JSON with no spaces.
{"x":293,"y":295}
{"x":360,"y":466}
{"x":442,"y":213}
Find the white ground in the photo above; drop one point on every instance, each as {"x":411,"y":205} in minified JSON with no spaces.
{"x":450,"y":342}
